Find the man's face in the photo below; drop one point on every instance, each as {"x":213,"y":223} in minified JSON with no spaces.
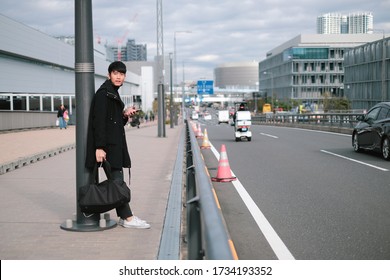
{"x":117,"y":78}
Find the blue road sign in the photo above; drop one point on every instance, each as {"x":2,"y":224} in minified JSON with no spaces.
{"x":205,"y":87}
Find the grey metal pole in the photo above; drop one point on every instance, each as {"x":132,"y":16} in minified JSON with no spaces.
{"x":161,"y":109}
{"x":171,"y":94}
{"x":85,"y":89}
{"x":182,"y":96}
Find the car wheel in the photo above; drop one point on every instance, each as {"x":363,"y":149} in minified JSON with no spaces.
{"x":249,"y":139}
{"x":386,"y":149}
{"x":355,"y":143}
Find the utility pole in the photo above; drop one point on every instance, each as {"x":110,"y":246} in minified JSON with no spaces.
{"x":85,"y":89}
{"x":160,"y":70}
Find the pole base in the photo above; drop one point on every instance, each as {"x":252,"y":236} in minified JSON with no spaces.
{"x":74,"y":226}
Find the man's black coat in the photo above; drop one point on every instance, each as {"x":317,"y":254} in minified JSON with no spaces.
{"x":106,"y":128}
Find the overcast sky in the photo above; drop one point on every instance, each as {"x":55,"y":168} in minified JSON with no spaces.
{"x":222,"y":31}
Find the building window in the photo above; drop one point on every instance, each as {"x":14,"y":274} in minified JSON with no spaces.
{"x":5,"y":102}
{"x":20,"y":103}
{"x":46,"y":103}
{"x":34,"y":103}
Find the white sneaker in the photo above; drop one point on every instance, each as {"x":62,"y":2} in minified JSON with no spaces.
{"x":134,"y":223}
{"x":121,"y":221}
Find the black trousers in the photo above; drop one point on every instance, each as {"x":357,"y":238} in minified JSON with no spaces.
{"x":123,"y":211}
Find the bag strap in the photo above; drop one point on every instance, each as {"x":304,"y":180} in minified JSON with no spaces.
{"x":107,"y":169}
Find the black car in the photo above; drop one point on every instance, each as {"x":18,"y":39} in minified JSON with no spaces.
{"x":373,"y":130}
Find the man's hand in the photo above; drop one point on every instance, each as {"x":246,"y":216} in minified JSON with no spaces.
{"x":100,"y":155}
{"x":129,"y":112}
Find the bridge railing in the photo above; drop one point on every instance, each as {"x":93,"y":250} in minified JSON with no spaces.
{"x":207,"y":236}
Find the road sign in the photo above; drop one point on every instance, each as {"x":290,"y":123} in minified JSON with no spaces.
{"x":205,"y":87}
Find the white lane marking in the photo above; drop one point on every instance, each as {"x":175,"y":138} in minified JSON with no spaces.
{"x":354,"y":160}
{"x":269,"y":135}
{"x":277,"y":245}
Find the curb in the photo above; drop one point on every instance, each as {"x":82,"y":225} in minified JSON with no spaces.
{"x":21,"y":162}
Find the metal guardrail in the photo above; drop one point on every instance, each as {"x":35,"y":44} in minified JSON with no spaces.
{"x":335,"y":122}
{"x":329,"y":119}
{"x":207,"y":236}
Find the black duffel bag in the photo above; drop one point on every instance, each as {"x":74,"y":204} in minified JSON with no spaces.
{"x":104,"y":196}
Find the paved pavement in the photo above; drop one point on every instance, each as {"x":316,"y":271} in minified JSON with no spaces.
{"x":39,"y":195}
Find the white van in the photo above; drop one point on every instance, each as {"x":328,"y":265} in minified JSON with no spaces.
{"x":223,"y":116}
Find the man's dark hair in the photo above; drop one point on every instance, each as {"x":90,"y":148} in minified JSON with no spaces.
{"x":117,"y":66}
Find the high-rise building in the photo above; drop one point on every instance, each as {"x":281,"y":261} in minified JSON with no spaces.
{"x":329,"y":23}
{"x":130,"y":52}
{"x":135,"y":52}
{"x":353,"y":23}
{"x":360,"y":22}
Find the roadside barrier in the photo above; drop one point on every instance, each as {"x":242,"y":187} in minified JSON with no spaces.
{"x":207,"y":236}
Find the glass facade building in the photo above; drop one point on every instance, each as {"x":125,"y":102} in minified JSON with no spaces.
{"x":308,"y":68}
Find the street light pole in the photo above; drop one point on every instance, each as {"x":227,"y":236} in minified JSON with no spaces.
{"x":182,"y":95}
{"x":174,"y":58}
{"x":171,"y":95}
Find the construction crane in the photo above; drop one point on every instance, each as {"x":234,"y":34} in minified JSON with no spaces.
{"x":120,"y":40}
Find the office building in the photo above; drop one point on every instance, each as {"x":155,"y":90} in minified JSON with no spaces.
{"x":308,"y":68}
{"x":237,"y":75}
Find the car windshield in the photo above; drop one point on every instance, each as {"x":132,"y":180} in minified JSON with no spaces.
{"x":372,"y":115}
{"x":383,"y":114}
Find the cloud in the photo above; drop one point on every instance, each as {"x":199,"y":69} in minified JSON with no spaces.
{"x":221,"y":31}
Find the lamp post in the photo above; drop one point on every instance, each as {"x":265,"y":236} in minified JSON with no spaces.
{"x":182,"y":95}
{"x":174,"y":58}
{"x":272,"y":88}
{"x":171,"y":95}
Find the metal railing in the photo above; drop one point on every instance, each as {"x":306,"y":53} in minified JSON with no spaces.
{"x":341,"y":122}
{"x":207,"y":236}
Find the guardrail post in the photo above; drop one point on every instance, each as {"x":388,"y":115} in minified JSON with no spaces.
{"x":194,"y":233}
{"x":192,"y":206}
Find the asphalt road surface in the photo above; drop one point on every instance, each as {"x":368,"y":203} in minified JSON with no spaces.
{"x":301,"y":194}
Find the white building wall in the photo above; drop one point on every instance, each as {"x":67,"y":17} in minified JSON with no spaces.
{"x":34,"y":62}
{"x":147,"y":90}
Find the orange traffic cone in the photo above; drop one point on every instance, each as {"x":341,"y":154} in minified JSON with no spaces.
{"x":198,"y":132}
{"x":224,"y":174}
{"x":193,"y":125}
{"x":206,"y":143}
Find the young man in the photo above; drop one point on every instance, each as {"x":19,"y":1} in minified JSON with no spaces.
{"x":106,"y":138}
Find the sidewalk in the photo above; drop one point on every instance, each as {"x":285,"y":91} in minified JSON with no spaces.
{"x":37,"y":198}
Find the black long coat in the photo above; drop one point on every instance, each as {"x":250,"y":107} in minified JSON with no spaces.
{"x":106,"y":128}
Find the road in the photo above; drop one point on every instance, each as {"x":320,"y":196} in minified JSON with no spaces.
{"x":302,"y":194}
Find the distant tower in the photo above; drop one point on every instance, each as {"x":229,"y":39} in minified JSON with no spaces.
{"x":353,"y":23}
{"x":360,"y":22}
{"x":329,"y":23}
